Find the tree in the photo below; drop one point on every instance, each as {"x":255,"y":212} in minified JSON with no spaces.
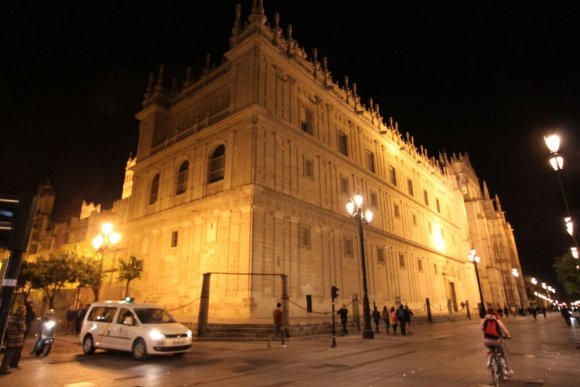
{"x":86,"y":273}
{"x":130,"y":270}
{"x":568,"y":274}
{"x":26,"y":279}
{"x":53,"y":273}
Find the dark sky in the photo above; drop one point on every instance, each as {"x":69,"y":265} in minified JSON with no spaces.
{"x":483,"y":77}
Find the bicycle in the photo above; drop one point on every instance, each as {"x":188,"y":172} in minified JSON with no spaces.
{"x":497,"y":365}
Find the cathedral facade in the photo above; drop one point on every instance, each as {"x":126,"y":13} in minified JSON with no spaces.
{"x":245,"y":172}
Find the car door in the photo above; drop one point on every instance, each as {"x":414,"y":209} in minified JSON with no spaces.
{"x":100,"y":320}
{"x":123,"y":330}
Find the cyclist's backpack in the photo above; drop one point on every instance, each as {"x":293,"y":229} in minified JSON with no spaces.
{"x":491,"y":329}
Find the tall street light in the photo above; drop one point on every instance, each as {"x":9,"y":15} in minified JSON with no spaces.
{"x":354,"y":208}
{"x":474,"y":258}
{"x":534,"y":282}
{"x":101,"y":242}
{"x":516,"y":274}
{"x":557,"y":162}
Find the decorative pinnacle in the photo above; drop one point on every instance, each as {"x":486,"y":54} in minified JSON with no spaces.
{"x":258,"y":12}
{"x":159,"y":84}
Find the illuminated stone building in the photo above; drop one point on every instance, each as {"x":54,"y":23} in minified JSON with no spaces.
{"x":246,"y":172}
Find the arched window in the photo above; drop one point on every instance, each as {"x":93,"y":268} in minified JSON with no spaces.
{"x":217,"y":164}
{"x":154,"y":192}
{"x":182,"y":178}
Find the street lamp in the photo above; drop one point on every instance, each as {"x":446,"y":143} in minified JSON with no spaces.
{"x":557,"y":163}
{"x":101,"y":242}
{"x":516,"y":274}
{"x":475,"y":260}
{"x":354,"y":208}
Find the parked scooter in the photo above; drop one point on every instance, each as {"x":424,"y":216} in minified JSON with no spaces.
{"x":45,"y":335}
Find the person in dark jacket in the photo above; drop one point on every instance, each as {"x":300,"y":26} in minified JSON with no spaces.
{"x":343,"y":313}
{"x":14,"y":339}
{"x":279,"y":326}
{"x":408,"y":315}
{"x":377,"y":319}
{"x":402,"y":318}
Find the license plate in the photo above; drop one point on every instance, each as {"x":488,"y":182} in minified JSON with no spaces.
{"x":180,"y":342}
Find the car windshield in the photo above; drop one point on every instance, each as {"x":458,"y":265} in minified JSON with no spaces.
{"x":154,"y":316}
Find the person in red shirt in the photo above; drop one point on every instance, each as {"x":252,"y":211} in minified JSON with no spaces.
{"x":279,"y":326}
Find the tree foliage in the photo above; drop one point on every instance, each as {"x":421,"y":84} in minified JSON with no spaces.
{"x":568,"y":274}
{"x":53,"y":273}
{"x":130,"y":270}
{"x":24,"y":284}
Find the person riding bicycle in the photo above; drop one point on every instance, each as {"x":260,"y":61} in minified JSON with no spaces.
{"x":494,"y":331}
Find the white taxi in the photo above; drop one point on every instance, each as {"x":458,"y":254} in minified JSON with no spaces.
{"x":143,"y":329}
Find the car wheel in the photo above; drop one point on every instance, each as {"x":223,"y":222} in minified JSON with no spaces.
{"x":139,"y":349}
{"x":88,"y":345}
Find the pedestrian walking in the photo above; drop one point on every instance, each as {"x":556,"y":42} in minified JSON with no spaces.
{"x":393,"y":317}
{"x":386,"y":318}
{"x":80,"y":317}
{"x":408,"y":315}
{"x":376,"y":318}
{"x":401,"y":317}
{"x":279,"y":326}
{"x":506,"y":312}
{"x":343,"y":313}
{"x":30,"y":317}
{"x":71,"y":316}
{"x":14,"y":340}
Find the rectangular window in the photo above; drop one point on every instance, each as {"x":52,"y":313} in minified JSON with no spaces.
{"x":308,"y":168}
{"x":305,"y":240}
{"x":102,"y":314}
{"x":348,"y":247}
{"x":342,"y":143}
{"x":306,"y":120}
{"x":174,"y":238}
{"x":414,"y":220}
{"x":401,"y":260}
{"x":374,"y":199}
{"x":344,"y":186}
{"x":435,"y":268}
{"x":410,"y":187}
{"x":392,"y":175}
{"x":426,"y":197}
{"x":381,"y":254}
{"x":397,"y":211}
{"x":420,"y":265}
{"x":371,"y":161}
{"x":437,"y":204}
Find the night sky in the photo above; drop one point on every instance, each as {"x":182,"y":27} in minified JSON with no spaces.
{"x":482,"y":77}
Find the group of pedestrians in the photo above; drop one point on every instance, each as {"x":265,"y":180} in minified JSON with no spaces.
{"x":395,"y":317}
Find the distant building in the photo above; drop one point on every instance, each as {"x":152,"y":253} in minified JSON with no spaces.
{"x":245,"y":173}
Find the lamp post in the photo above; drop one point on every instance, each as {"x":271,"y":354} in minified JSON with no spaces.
{"x":534,"y":282}
{"x":101,"y":242}
{"x":516,"y":274}
{"x":473,"y":258}
{"x":354,"y":208}
{"x":557,"y":162}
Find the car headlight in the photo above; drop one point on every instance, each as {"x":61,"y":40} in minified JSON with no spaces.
{"x":156,"y":335}
{"x":189,"y":334}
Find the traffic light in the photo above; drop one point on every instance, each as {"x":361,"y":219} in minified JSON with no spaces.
{"x":9,"y":210}
{"x":334,"y":292}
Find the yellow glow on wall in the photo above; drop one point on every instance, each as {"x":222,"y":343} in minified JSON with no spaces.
{"x":437,"y":238}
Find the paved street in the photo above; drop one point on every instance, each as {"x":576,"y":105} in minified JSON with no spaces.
{"x":543,"y":352}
